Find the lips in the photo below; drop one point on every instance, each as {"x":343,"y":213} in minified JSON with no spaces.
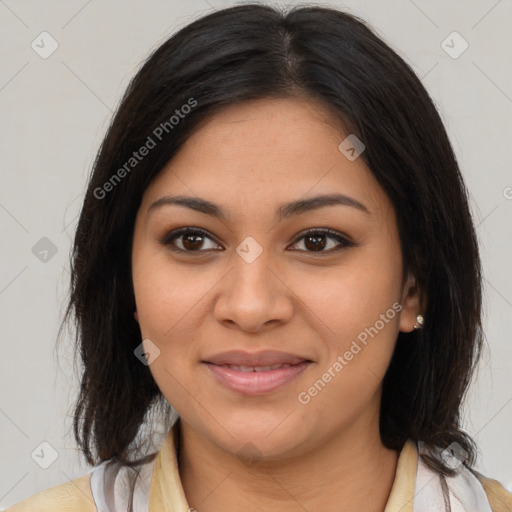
{"x":261,"y":361}
{"x":257,"y":373}
{"x":255,"y":382}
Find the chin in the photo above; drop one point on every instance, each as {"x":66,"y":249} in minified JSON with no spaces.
{"x":262,"y":440}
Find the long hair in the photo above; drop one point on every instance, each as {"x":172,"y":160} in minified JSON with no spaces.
{"x":314,"y":53}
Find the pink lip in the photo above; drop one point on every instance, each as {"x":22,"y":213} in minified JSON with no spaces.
{"x":256,"y":383}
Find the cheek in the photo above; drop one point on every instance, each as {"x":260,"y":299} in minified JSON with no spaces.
{"x":371,"y":315}
{"x":351,"y":297}
{"x":166,"y":303}
{"x":165,"y":295}
{"x":172,"y":302}
{"x":356,"y":310}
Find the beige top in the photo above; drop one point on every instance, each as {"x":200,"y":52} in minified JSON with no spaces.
{"x":415,"y":489}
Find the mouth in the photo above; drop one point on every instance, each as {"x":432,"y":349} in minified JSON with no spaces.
{"x":256,"y":380}
{"x":262,"y":359}
{"x":257,"y":368}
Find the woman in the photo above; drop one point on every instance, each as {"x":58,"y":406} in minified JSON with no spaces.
{"x":276,"y":241}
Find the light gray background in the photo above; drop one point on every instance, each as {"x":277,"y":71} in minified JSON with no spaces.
{"x":55,"y":112}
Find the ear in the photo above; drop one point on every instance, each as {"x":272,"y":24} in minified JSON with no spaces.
{"x":136,"y":316}
{"x":411,"y":304}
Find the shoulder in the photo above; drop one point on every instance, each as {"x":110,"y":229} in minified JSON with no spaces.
{"x":74,"y":495}
{"x":466,"y":488}
{"x":499,"y":498}
{"x":108,"y":487}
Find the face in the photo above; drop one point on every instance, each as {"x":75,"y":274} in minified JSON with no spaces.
{"x":310,"y":294}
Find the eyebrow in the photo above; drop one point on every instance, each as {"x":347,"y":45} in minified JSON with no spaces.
{"x":284,"y":211}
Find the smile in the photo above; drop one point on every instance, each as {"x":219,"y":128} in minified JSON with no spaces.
{"x":255,"y":380}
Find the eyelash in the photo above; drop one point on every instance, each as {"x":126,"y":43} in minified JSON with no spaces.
{"x":169,"y":238}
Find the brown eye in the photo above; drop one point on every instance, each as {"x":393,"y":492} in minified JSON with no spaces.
{"x":192,"y":241}
{"x":195,"y":240}
{"x":316,"y":240}
{"x":189,"y":240}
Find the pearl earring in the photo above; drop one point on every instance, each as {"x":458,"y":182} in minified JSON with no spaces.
{"x":419,"y":322}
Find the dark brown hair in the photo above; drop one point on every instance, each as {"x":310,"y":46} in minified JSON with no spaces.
{"x":323,"y":55}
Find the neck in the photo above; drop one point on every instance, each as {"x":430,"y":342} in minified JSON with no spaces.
{"x":350,"y":471}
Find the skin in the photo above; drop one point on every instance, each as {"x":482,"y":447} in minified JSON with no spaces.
{"x":324,"y":455}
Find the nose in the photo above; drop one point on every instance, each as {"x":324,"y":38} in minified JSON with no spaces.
{"x":254,"y":296}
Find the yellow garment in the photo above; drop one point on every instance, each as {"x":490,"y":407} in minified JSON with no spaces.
{"x":499,"y":498}
{"x":166,"y":492}
{"x":74,"y":495}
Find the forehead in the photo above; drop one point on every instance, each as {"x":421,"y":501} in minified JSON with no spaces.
{"x":251,"y":154}
{"x":269,"y":125}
